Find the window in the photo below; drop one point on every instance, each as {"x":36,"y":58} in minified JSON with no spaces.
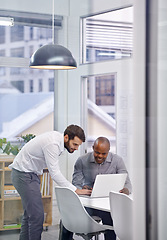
{"x":105,"y":90}
{"x":107,"y":36}
{"x":2,"y":34}
{"x":40,"y":85}
{"x":17,"y":80}
{"x":19,"y":85}
{"x":17,"y":33}
{"x":31,"y":50}
{"x":31,"y":85}
{"x":2,"y":71}
{"x":31,"y":33}
{"x":17,"y":52}
{"x":51,"y":84}
{"x":24,"y":40}
{"x":44,"y":33}
{"x":2,"y":52}
{"x":26,"y":37}
{"x":98,"y":111}
{"x":15,"y":71}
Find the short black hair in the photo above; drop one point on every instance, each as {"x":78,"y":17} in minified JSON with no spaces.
{"x":75,"y":131}
{"x":102,"y":140}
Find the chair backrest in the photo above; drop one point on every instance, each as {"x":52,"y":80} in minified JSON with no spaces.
{"x":73,"y":215}
{"x":122,"y":213}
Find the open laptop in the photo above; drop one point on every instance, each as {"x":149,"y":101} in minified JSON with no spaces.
{"x":105,"y":183}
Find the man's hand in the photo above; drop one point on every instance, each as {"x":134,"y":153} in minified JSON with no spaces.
{"x":83,"y":191}
{"x":87,"y":187}
{"x":125,"y":191}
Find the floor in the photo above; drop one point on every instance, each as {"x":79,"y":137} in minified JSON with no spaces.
{"x":51,"y":234}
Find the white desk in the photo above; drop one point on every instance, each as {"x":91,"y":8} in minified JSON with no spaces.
{"x":97,"y":203}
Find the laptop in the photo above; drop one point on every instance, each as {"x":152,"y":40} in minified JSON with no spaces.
{"x":105,"y":183}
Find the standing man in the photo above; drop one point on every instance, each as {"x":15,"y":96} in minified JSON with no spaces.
{"x":39,"y":153}
{"x":100,"y":161}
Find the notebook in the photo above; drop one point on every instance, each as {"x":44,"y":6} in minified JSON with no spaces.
{"x":105,"y":183}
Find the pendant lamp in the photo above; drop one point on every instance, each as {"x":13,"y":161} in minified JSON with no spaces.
{"x":52,"y":56}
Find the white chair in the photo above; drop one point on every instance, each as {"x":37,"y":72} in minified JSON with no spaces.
{"x":74,"y":216}
{"x":122,"y":213}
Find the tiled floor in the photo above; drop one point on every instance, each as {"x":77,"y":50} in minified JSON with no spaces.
{"x":51,"y":234}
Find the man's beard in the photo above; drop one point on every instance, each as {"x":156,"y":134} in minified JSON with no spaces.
{"x":66,"y":145}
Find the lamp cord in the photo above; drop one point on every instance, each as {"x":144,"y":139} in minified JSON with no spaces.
{"x":53,"y":21}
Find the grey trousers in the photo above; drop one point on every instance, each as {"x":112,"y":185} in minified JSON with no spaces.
{"x":28,"y":186}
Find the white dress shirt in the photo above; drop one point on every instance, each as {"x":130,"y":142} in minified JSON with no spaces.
{"x":43,"y":152}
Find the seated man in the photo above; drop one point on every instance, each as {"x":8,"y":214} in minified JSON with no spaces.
{"x":100,"y":161}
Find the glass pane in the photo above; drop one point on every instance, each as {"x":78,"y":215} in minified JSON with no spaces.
{"x":16,"y":33}
{"x":26,"y":102}
{"x":22,"y":41}
{"x":107,"y":36}
{"x":101,"y":109}
{"x":105,"y":90}
{"x":2,"y":35}
{"x":26,"y":95}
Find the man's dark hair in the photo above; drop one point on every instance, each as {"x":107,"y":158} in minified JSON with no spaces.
{"x":75,"y":131}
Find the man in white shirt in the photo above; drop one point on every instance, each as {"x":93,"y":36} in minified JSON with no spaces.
{"x":39,"y":153}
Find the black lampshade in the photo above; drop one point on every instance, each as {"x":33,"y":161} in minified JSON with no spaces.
{"x":52,"y":57}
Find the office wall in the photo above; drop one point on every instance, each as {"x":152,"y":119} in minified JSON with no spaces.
{"x":138,"y":127}
{"x":27,"y":6}
{"x":162,"y":118}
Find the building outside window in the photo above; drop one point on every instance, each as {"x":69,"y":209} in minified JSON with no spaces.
{"x":51,"y":84}
{"x":20,"y":42}
{"x":31,"y":50}
{"x":2,"y":71}
{"x":2,"y":34}
{"x":31,"y":85}
{"x":31,"y":33}
{"x":2,"y":52}
{"x":17,"y":33}
{"x":17,"y":52}
{"x":15,"y":71}
{"x":105,"y":90}
{"x":40,"y":85}
{"x":19,"y":85}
